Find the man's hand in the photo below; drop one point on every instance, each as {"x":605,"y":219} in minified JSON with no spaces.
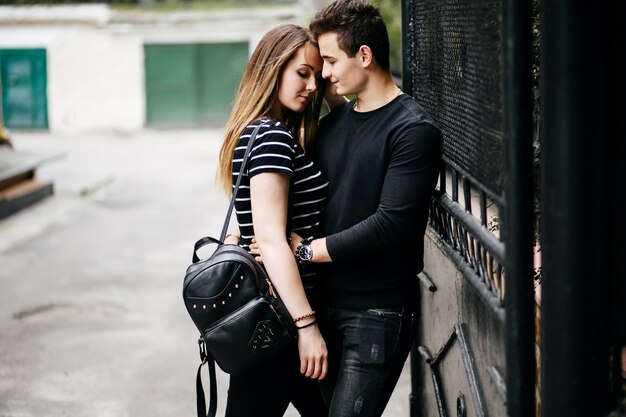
{"x":232,"y":238}
{"x":295,"y":242}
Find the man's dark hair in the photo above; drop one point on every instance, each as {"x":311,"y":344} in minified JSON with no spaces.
{"x":356,"y":23}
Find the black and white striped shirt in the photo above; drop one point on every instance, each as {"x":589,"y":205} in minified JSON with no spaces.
{"x":276,"y":150}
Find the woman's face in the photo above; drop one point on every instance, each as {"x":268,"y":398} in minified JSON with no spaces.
{"x":299,"y":80}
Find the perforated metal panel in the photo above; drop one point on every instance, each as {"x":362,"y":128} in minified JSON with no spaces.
{"x":455,"y":66}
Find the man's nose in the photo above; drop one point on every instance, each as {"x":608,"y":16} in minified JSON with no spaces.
{"x":326,"y":70}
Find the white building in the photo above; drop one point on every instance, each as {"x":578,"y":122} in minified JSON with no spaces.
{"x":93,"y":67}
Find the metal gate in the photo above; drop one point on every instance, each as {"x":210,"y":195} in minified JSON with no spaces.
{"x":474,"y":65}
{"x":23,"y":74}
{"x":192,"y":85}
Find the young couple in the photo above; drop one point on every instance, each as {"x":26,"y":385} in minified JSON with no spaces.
{"x":356,"y":186}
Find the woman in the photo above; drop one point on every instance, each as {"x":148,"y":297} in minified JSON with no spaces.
{"x":281,"y":191}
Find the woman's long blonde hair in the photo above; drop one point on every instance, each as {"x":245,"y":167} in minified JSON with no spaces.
{"x":258,"y":91}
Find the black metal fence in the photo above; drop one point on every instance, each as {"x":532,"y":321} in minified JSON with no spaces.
{"x":470,"y":64}
{"x":455,"y":72}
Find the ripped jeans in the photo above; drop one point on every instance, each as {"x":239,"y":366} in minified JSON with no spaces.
{"x":367,"y":351}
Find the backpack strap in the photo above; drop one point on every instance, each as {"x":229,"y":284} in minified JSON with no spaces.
{"x":205,"y":356}
{"x":243,"y":165}
{"x":200,"y":400}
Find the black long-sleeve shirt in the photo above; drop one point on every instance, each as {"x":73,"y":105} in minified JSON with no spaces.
{"x":382,"y":167}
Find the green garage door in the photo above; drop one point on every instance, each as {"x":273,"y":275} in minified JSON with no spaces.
{"x":23,"y":77}
{"x":192,"y":85}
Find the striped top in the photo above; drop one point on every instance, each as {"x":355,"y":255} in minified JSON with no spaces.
{"x":276,"y":150}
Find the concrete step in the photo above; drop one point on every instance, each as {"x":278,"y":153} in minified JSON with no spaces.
{"x":23,"y":194}
{"x":19,"y":187}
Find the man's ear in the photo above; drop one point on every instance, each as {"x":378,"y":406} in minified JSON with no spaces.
{"x":365,"y":55}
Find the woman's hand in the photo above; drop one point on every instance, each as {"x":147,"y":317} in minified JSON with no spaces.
{"x":255,"y":251}
{"x":269,"y":195}
{"x":313,"y":353}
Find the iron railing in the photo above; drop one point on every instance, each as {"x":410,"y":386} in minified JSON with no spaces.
{"x":476,"y":250}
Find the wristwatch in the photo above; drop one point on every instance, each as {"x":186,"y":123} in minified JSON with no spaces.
{"x":304,"y":251}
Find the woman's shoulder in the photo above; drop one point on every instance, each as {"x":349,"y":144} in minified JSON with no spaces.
{"x":269,"y":128}
{"x":272,"y":149}
{"x":272,"y":138}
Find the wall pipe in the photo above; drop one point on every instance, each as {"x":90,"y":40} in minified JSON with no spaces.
{"x":576,"y":243}
{"x":518,"y":222}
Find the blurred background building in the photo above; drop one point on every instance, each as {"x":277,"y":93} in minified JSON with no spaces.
{"x":72,"y":66}
{"x":80,"y":67}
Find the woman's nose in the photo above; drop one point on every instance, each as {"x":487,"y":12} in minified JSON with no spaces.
{"x":311,"y":84}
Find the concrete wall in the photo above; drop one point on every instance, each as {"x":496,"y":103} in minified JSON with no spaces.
{"x":95,"y":53}
{"x":457,"y":302}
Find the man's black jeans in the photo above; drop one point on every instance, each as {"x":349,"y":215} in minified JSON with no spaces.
{"x":367,"y":351}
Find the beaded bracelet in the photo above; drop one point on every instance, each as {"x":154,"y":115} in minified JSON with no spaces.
{"x":306,"y":316}
{"x":306,"y":325}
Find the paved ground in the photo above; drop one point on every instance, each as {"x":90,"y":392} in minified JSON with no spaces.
{"x":91,"y":317}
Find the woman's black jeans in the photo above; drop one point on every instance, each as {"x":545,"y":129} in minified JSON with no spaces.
{"x":367,"y":351}
{"x":267,"y":389}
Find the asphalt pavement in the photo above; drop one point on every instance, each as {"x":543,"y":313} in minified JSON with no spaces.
{"x":92,"y":322}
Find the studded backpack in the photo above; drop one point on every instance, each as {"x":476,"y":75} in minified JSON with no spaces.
{"x":231,"y":300}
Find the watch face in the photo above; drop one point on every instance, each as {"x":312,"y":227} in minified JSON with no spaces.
{"x":308,"y":253}
{"x":305,"y":253}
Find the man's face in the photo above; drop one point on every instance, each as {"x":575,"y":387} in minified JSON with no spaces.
{"x":345,"y":73}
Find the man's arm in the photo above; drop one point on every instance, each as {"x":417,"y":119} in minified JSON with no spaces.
{"x":407,"y":188}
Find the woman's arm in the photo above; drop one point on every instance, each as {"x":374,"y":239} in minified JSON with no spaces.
{"x":269,"y":198}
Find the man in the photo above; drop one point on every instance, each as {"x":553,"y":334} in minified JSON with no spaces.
{"x":381,"y":154}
